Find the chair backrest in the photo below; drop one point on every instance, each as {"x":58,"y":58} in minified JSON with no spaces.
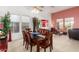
{"x":27,"y":34}
{"x":43,"y":31}
{"x":26,"y":37}
{"x":23,"y":33}
{"x":48,"y":38}
{"x":28,"y":29}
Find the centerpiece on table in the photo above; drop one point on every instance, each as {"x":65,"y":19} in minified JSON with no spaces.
{"x":4,"y":25}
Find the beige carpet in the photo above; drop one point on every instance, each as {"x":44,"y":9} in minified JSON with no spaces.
{"x":61,"y":44}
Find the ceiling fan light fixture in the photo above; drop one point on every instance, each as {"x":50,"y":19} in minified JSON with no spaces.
{"x":35,"y":10}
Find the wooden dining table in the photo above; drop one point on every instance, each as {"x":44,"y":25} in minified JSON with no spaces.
{"x":37,"y":37}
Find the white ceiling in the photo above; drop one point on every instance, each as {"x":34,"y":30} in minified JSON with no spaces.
{"x":57,"y":8}
{"x":27,"y":10}
{"x":50,"y":9}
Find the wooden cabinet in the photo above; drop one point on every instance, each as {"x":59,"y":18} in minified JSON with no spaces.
{"x":3,"y":44}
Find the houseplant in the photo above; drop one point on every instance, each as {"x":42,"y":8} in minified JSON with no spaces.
{"x":5,"y":25}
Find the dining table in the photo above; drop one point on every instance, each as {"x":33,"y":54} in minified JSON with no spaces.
{"x":37,"y":37}
{"x":34,"y":34}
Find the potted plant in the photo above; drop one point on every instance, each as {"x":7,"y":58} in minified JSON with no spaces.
{"x":4,"y":25}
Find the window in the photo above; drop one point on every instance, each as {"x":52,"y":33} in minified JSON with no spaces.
{"x":15,"y":23}
{"x":69,"y":22}
{"x":59,"y":23}
{"x":15,"y":27}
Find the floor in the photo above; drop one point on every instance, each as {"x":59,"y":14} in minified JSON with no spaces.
{"x":64,"y":44}
{"x":61,"y":44}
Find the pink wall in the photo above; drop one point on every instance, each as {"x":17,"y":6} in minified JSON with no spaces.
{"x":73,"y":12}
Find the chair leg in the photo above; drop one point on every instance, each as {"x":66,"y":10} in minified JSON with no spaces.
{"x":23,"y":43}
{"x":31,"y":49}
{"x":27,"y":46}
{"x":45,"y":50}
{"x":38,"y":49}
{"x":50,"y":48}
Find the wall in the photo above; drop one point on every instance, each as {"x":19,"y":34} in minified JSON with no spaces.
{"x":73,"y":12}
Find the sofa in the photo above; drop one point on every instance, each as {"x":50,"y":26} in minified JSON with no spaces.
{"x":73,"y":33}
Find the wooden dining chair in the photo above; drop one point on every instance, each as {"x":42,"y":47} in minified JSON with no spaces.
{"x":46,"y":42}
{"x":28,"y":29}
{"x":29,"y":41}
{"x":25,"y":39}
{"x":43,"y":31}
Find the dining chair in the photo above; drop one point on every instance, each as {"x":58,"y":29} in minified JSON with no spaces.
{"x":46,"y":42}
{"x":29,"y":41}
{"x":25,"y":41}
{"x":28,"y":29}
{"x":43,"y":31}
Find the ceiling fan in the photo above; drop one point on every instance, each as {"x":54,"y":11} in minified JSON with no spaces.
{"x":37,"y":9}
{"x":40,"y":8}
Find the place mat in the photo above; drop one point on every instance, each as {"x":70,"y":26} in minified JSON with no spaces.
{"x":41,"y":36}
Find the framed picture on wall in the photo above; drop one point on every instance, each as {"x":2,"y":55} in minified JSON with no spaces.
{"x":44,"y":23}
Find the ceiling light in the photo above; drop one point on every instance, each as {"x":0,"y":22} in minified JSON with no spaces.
{"x":36,"y":10}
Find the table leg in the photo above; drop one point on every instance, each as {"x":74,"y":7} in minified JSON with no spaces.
{"x":38,"y":49}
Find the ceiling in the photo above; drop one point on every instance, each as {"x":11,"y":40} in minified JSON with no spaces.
{"x":57,"y":8}
{"x":50,"y":9}
{"x":27,"y":10}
